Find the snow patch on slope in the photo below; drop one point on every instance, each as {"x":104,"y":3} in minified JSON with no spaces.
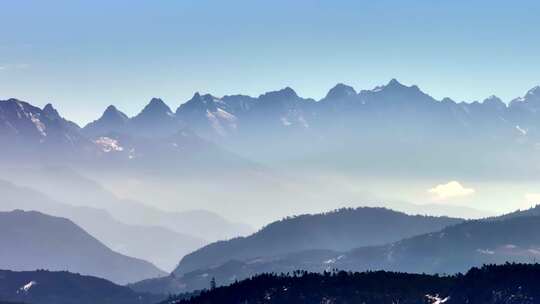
{"x":26,"y":288}
{"x":220,"y":117}
{"x":521,"y":130}
{"x":108,"y":144}
{"x":436,"y":299}
{"x":39,"y":125}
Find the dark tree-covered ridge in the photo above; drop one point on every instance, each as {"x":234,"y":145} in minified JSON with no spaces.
{"x":490,"y":284}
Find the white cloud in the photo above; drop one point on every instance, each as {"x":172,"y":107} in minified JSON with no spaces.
{"x":450,"y":190}
{"x":18,"y":66}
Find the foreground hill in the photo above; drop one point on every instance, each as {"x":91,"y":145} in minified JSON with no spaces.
{"x":508,"y":284}
{"x":339,"y":230}
{"x":45,"y":287}
{"x":292,"y":243}
{"x":32,"y":240}
{"x":453,"y":249}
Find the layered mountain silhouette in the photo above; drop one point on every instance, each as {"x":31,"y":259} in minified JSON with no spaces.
{"x":453,"y":249}
{"x":62,"y":287}
{"x":346,"y":130}
{"x":65,"y":185}
{"x":33,"y":240}
{"x":340,"y":230}
{"x":296,"y":238}
{"x":156,"y":244}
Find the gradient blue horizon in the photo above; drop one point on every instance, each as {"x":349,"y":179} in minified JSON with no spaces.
{"x":84,"y":55}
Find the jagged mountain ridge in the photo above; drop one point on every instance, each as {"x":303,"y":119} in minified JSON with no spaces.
{"x":284,"y":108}
{"x":43,"y":137}
{"x":25,"y":128}
{"x":394,"y":121}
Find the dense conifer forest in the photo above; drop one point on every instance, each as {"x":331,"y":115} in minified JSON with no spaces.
{"x":490,"y":284}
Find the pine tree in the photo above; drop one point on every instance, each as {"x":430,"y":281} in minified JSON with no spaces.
{"x":213,"y":283}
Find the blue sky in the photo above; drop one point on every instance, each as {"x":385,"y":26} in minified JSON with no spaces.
{"x":85,"y":55}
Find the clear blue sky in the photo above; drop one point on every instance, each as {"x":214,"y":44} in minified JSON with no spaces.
{"x":85,"y":55}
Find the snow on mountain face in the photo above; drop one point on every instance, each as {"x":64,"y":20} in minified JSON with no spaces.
{"x":39,"y":125}
{"x":436,"y":299}
{"x":242,"y":120}
{"x":26,"y":288}
{"x":531,"y":100}
{"x":22,"y":118}
{"x":208,"y":113}
{"x":534,"y":92}
{"x":108,"y":144}
{"x":31,"y":125}
{"x":221,"y":121}
{"x":521,"y":130}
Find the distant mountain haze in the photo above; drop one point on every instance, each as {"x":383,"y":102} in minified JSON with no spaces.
{"x":137,"y":241}
{"x":33,"y":240}
{"x":66,"y":185}
{"x":325,"y":134}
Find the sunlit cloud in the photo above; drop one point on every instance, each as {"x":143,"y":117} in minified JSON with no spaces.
{"x":450,"y":190}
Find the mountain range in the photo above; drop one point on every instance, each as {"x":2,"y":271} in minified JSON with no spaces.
{"x":394,"y":121}
{"x":42,"y":136}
